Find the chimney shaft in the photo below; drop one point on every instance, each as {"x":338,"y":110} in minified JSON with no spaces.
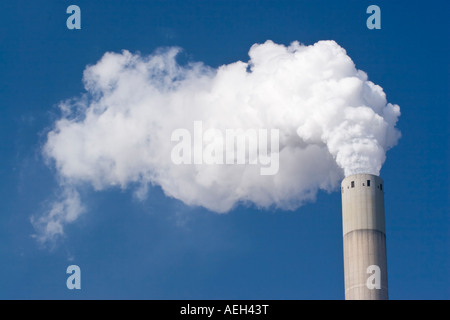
{"x":365,"y":264}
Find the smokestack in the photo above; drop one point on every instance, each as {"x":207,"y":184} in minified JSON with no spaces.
{"x":365,"y":264}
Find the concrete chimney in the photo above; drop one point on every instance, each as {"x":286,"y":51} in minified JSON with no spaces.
{"x":365,"y":264}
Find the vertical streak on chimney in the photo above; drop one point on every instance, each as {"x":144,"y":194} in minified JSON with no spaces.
{"x":364,"y":238}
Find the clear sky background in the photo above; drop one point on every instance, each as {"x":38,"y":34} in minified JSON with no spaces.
{"x":160,"y":248}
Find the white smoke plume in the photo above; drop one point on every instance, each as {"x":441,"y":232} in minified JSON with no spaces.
{"x":65,"y":210}
{"x":332,"y":122}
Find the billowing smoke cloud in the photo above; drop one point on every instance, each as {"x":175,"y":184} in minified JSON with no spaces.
{"x":332,"y":122}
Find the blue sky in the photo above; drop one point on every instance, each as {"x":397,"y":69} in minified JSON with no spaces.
{"x":160,"y":248}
